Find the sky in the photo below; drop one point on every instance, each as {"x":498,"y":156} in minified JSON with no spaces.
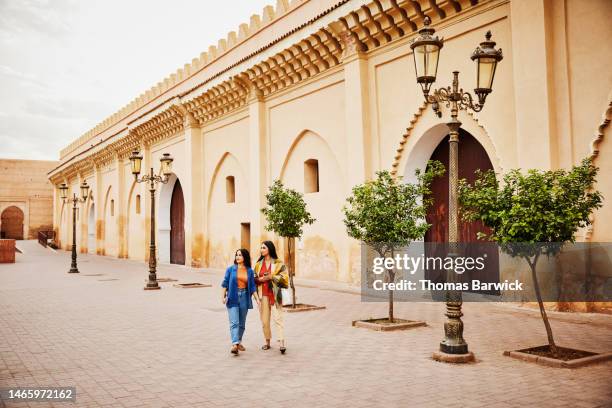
{"x":66,"y":65}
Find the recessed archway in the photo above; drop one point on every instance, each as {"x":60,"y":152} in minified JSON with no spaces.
{"x":135,"y":224}
{"x":225,"y":217}
{"x":312,"y":167}
{"x":109,"y":232}
{"x":171,"y":222}
{"x":11,"y":223}
{"x":63,"y":238}
{"x":91,"y":228}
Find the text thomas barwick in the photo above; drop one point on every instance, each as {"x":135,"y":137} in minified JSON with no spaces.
{"x":426,"y":284}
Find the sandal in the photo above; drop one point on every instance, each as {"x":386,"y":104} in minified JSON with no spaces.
{"x":265,"y":347}
{"x":234,"y":349}
{"x":241,"y":347}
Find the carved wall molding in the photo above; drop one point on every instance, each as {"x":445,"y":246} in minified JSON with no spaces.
{"x":594,"y":153}
{"x":363,"y":29}
{"x":399,"y":151}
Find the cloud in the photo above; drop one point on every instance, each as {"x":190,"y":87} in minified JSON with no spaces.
{"x":49,"y":18}
{"x":25,"y":78}
{"x":22,"y":136}
{"x":66,"y":65}
{"x":66,"y":108}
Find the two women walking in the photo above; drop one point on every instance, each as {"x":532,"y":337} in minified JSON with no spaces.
{"x":241,"y":283}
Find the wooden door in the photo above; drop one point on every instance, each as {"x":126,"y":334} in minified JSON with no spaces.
{"x":177,"y":226}
{"x":12,"y":223}
{"x":472,"y":157}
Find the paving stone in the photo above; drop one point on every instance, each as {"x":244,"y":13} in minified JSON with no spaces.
{"x":122,"y":346}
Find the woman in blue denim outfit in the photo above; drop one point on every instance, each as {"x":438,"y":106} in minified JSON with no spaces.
{"x":238,"y":287}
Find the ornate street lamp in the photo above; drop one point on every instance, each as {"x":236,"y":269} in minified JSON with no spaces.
{"x":152,"y":178}
{"x":64,"y":196}
{"x":426,"y":51}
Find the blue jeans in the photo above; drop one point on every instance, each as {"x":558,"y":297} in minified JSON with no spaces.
{"x":237,"y":316}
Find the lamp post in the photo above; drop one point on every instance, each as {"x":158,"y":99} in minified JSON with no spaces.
{"x":64,"y":196}
{"x":152,"y":178}
{"x":426,"y":51}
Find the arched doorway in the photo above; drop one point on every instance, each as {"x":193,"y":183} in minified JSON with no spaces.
{"x":11,"y":222}
{"x":91,"y":229}
{"x":177,"y":225}
{"x":472,"y":157}
{"x":171,"y":222}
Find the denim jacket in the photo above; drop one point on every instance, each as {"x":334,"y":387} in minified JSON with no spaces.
{"x":230,"y":282}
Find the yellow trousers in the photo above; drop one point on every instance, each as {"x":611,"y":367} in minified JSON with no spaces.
{"x":276,"y":312}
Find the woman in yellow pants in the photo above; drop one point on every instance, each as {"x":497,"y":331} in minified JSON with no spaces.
{"x":270,"y":276}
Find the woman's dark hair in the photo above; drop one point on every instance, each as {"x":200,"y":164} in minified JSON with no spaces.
{"x":245,"y":255}
{"x":271,"y":250}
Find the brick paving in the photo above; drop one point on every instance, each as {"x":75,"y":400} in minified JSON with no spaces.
{"x":122,"y":346}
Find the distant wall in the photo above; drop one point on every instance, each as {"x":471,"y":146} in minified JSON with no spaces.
{"x":24,"y":185}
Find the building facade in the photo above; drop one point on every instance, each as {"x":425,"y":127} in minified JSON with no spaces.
{"x":322,"y":94}
{"x":26,"y":198}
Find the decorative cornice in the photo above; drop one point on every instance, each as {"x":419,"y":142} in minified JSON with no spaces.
{"x":245,"y":31}
{"x":372,"y":25}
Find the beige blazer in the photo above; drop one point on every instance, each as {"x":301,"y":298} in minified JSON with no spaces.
{"x":279,"y":275}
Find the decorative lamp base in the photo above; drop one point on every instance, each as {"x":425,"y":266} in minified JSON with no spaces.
{"x":453,"y":358}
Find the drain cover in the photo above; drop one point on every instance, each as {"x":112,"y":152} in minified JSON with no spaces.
{"x":108,"y":279}
{"x":192,"y":285}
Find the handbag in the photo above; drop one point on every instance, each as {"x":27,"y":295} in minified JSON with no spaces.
{"x":286,"y":297}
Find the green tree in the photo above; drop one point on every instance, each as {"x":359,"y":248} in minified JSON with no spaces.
{"x":532,"y":214}
{"x":286,"y":214}
{"x":387,"y":214}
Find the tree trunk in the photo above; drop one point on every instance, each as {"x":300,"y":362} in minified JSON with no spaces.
{"x":536,"y":286}
{"x":290,"y":246}
{"x":391,"y":279}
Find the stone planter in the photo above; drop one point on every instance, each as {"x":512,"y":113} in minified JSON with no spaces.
{"x":383,"y":325}
{"x":583,"y":357}
{"x":192,"y":285}
{"x":301,"y":307}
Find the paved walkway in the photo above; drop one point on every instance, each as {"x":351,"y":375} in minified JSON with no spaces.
{"x":122,"y":346}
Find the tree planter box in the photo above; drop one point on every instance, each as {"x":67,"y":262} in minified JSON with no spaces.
{"x":192,"y":285}
{"x":7,"y":251}
{"x":583,"y":357}
{"x":301,"y":307}
{"x":383,"y":324}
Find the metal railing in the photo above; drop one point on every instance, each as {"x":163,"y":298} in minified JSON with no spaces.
{"x":45,"y":236}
